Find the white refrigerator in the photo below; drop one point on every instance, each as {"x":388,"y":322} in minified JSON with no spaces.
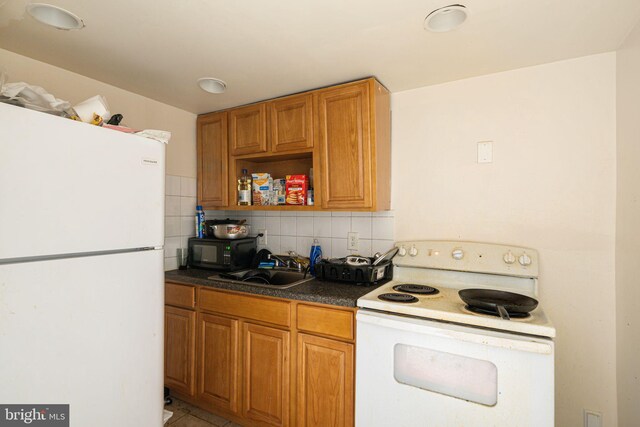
{"x":81,"y":269}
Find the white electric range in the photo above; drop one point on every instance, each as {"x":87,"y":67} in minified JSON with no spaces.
{"x":425,"y":358}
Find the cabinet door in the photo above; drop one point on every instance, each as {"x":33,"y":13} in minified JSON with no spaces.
{"x":248,"y":129}
{"x":345,"y":147}
{"x":266,"y":374}
{"x":213,"y":160}
{"x":291,"y":123}
{"x":179,"y":349}
{"x":325,"y":382}
{"x":218,"y":356}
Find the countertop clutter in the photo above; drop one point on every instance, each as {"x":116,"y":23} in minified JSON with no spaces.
{"x":322,"y":292}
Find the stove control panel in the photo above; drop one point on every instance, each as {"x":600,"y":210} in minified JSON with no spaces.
{"x":468,"y":256}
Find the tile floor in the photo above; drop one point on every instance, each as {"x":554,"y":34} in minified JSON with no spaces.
{"x":186,"y":415}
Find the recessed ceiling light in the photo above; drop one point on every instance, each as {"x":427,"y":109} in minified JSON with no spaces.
{"x":446,"y":18}
{"x":211,"y":85}
{"x":54,"y":16}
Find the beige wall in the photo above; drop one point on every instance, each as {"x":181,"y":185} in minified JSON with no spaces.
{"x":138,"y":111}
{"x":551,"y":186}
{"x":628,"y":231}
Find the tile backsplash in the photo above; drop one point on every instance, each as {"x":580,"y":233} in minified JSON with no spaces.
{"x":295,"y":231}
{"x":179,"y":216}
{"x":286,"y":230}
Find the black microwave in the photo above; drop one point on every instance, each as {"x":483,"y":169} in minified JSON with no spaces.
{"x":221,"y":254}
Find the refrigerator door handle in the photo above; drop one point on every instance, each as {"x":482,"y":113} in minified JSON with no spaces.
{"x":75,"y":255}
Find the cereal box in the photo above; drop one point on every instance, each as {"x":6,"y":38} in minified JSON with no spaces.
{"x":262,"y":188}
{"x":296,"y":189}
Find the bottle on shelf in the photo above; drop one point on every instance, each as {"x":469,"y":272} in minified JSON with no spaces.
{"x":244,"y":189}
{"x":199,"y":222}
{"x":315,"y":256}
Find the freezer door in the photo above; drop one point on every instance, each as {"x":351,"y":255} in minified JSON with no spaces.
{"x":415,"y":372}
{"x":69,"y":187}
{"x":87,"y":332}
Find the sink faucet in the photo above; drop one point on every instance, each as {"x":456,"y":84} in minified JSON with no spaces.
{"x":290,"y":262}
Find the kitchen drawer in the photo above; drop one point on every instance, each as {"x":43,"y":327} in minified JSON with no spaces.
{"x":180,"y":295}
{"x":245,"y":306}
{"x":326,"y":321}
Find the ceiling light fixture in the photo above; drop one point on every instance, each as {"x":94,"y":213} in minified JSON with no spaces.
{"x":211,"y":85}
{"x":55,"y":16}
{"x":446,"y":18}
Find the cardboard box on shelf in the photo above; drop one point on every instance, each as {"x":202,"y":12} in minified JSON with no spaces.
{"x":296,"y":189}
{"x":262,"y":189}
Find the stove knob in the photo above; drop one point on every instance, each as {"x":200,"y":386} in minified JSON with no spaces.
{"x":457,"y":254}
{"x":509,"y":258}
{"x":413,"y":251}
{"x":402,"y":251}
{"x":524,"y":260}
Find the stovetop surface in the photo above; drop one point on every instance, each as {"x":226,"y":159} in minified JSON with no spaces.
{"x":447,"y":306}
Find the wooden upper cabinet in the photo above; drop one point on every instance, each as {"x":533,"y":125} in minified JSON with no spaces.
{"x":179,"y":349}
{"x":248,"y":129}
{"x":213,"y":159}
{"x":218,"y":360}
{"x":266,"y":374}
{"x":291,"y":123}
{"x":343,"y":132}
{"x":325,"y":382}
{"x":352,"y":143}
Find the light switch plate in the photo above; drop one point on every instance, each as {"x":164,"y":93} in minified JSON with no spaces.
{"x":592,"y":418}
{"x":485,"y":152}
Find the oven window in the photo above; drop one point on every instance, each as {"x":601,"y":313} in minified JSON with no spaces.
{"x":462,"y":377}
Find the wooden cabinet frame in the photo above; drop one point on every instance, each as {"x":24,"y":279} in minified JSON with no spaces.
{"x":179,"y":351}
{"x":291,"y":340}
{"x":248,"y":130}
{"x":213,"y":160}
{"x":218,"y":362}
{"x":343,"y":132}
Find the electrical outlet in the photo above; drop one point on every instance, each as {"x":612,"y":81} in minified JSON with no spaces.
{"x":352,"y":241}
{"x":263,"y":239}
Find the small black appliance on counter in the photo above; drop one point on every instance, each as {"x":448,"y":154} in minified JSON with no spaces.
{"x":339,"y":270}
{"x":221,"y":254}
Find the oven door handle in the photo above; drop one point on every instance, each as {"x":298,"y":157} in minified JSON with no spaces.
{"x":491,"y":338}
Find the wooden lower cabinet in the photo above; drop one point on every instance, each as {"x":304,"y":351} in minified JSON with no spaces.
{"x":261,"y":361}
{"x":266,"y":374}
{"x":179,"y":350}
{"x":218,"y":356}
{"x":325,"y":382}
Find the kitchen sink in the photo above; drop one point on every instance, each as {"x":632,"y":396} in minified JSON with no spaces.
{"x":277,"y":279}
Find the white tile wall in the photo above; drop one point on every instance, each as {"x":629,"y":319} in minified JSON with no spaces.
{"x":295,"y":231}
{"x":286,"y":231}
{"x":179,"y":216}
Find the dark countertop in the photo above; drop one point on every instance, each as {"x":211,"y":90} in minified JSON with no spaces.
{"x":332,"y":293}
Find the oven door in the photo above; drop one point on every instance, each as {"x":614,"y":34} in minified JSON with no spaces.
{"x":415,"y":372}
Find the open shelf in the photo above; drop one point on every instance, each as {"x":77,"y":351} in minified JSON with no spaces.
{"x":276,"y":165}
{"x":273,"y":208}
